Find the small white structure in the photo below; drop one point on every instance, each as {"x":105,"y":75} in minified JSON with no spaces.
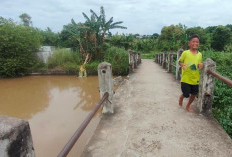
{"x":45,"y":52}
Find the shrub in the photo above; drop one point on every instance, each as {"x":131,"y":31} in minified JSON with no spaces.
{"x":118,"y":58}
{"x":17,"y":48}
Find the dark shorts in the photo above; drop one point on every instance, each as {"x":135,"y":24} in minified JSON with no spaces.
{"x":189,"y":89}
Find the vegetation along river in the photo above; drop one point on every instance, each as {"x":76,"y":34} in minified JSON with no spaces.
{"x":55,"y":106}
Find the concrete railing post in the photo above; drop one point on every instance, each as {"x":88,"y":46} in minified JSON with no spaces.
{"x":169,"y":63}
{"x":178,"y":68}
{"x":161,"y":58}
{"x":139,"y":58}
{"x":164,"y":64}
{"x":106,"y":85}
{"x":131,"y":61}
{"x":15,"y":138}
{"x":206,"y":88}
{"x":135,"y":59}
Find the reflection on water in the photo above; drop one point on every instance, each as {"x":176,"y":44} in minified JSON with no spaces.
{"x":55,"y":106}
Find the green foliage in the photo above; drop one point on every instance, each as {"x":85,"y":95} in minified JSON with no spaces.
{"x":17,"y":48}
{"x":222,"y":108}
{"x":50,"y":38}
{"x":119,"y":60}
{"x":91,"y":68}
{"x":64,"y":59}
{"x":145,"y":45}
{"x":221,"y":36}
{"x":66,"y":39}
{"x":148,"y":56}
{"x":172,"y":38}
{"x":122,"y":41}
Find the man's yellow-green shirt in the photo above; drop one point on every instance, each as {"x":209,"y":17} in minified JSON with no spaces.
{"x":191,"y":74}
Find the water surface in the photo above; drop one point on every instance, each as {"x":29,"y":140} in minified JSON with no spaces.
{"x":55,"y":106}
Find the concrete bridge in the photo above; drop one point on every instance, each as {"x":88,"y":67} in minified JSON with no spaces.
{"x":148,"y":122}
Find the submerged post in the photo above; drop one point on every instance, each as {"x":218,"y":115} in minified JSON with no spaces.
{"x":15,"y":138}
{"x":206,"y":88}
{"x":106,"y":85}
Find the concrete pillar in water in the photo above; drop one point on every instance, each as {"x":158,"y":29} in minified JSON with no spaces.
{"x":15,"y":138}
{"x":206,"y":88}
{"x":106,"y":85}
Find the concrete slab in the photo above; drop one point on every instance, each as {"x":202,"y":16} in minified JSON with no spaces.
{"x":148,"y":122}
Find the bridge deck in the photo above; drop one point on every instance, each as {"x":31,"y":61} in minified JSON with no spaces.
{"x":148,"y":122}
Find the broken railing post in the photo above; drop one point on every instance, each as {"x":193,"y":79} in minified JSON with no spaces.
{"x":178,"y":68}
{"x":206,"y":88}
{"x":106,"y":85}
{"x":15,"y":138}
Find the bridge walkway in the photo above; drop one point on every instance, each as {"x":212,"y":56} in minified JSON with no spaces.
{"x":148,"y":122}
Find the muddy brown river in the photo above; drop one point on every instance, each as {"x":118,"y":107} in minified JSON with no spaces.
{"x":55,"y":106}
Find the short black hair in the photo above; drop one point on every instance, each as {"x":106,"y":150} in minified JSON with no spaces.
{"x":193,"y":36}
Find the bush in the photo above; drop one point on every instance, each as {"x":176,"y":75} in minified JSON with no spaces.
{"x":17,"y":48}
{"x":118,"y":58}
{"x":91,"y":68}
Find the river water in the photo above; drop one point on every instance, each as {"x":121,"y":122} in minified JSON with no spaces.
{"x":55,"y":106}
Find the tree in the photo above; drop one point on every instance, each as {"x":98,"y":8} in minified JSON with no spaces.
{"x":220,"y":37}
{"x":17,"y":49}
{"x":26,"y":19}
{"x":50,"y":38}
{"x":66,"y":37}
{"x":171,"y":37}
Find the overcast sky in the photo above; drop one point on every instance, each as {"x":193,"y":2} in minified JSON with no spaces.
{"x":139,"y":16}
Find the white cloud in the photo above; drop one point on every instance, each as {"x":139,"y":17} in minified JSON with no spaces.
{"x":143,"y":17}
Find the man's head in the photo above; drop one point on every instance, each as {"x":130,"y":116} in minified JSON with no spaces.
{"x":194,"y":42}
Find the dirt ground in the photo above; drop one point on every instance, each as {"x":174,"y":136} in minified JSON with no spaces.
{"x":148,"y":122}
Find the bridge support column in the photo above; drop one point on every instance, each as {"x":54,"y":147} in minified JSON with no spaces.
{"x":15,"y":137}
{"x":106,"y":85}
{"x":206,"y":88}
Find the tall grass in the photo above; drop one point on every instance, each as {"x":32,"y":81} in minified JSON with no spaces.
{"x":64,"y":59}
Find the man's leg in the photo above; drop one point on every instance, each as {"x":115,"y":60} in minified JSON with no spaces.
{"x":191,"y":99}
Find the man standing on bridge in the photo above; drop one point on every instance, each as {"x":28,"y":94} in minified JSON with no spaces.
{"x":191,"y":62}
